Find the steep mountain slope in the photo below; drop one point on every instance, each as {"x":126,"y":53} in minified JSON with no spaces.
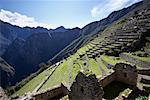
{"x":39,"y":47}
{"x":6,"y":71}
{"x":129,"y":34}
{"x":94,"y":28}
{"x":9,"y":32}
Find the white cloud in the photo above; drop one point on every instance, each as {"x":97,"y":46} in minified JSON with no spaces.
{"x":20,"y":20}
{"x":105,"y":8}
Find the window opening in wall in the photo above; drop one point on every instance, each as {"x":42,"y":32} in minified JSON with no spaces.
{"x":82,"y":90}
{"x":125,"y":74}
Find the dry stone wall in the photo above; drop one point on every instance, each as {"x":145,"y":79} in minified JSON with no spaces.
{"x":104,"y":81}
{"x":126,"y":73}
{"x":141,"y":63}
{"x":51,"y":93}
{"x":86,"y":88}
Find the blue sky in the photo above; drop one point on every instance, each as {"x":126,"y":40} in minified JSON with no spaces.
{"x":55,"y":13}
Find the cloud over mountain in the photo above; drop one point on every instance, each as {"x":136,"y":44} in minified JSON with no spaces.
{"x":15,"y":18}
{"x":104,"y":8}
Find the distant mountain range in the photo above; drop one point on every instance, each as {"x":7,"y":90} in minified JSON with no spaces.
{"x":9,"y":32}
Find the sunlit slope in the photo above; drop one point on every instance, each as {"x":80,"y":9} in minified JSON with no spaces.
{"x":99,"y":55}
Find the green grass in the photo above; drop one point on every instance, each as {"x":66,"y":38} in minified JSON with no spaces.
{"x":103,"y":66}
{"x":31,"y":85}
{"x":111,"y":59}
{"x":60,"y":75}
{"x":76,"y":69}
{"x":94,"y":67}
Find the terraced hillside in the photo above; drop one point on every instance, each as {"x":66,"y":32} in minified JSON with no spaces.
{"x":127,"y":40}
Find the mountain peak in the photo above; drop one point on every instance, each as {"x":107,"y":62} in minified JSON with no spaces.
{"x":60,"y":29}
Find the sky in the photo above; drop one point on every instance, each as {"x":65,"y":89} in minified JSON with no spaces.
{"x":55,"y":13}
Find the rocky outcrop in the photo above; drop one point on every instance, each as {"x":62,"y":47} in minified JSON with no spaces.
{"x":86,"y":88}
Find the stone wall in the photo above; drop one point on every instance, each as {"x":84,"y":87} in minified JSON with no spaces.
{"x":89,"y":88}
{"x":104,"y":81}
{"x":126,"y":73}
{"x":86,"y":88}
{"x":54,"y":92}
{"x":135,"y":61}
{"x":144,"y":71}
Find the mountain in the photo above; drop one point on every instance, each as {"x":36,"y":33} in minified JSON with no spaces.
{"x":92,"y":29}
{"x":120,"y":54}
{"x":60,"y":29}
{"x":9,"y":32}
{"x":54,"y":44}
{"x":40,"y":44}
{"x":37,"y":48}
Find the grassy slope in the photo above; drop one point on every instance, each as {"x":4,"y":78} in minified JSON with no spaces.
{"x":62,"y":72}
{"x":31,"y":85}
{"x":60,"y":75}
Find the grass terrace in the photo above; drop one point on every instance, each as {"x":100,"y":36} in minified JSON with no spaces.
{"x":60,"y":75}
{"x":111,"y":59}
{"x":31,"y":85}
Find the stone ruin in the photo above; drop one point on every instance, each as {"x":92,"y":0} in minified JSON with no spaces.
{"x":86,"y":88}
{"x":126,"y":73}
{"x":90,"y":88}
{"x":53,"y":93}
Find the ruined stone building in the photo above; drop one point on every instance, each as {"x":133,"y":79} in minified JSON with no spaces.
{"x":88,"y":87}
